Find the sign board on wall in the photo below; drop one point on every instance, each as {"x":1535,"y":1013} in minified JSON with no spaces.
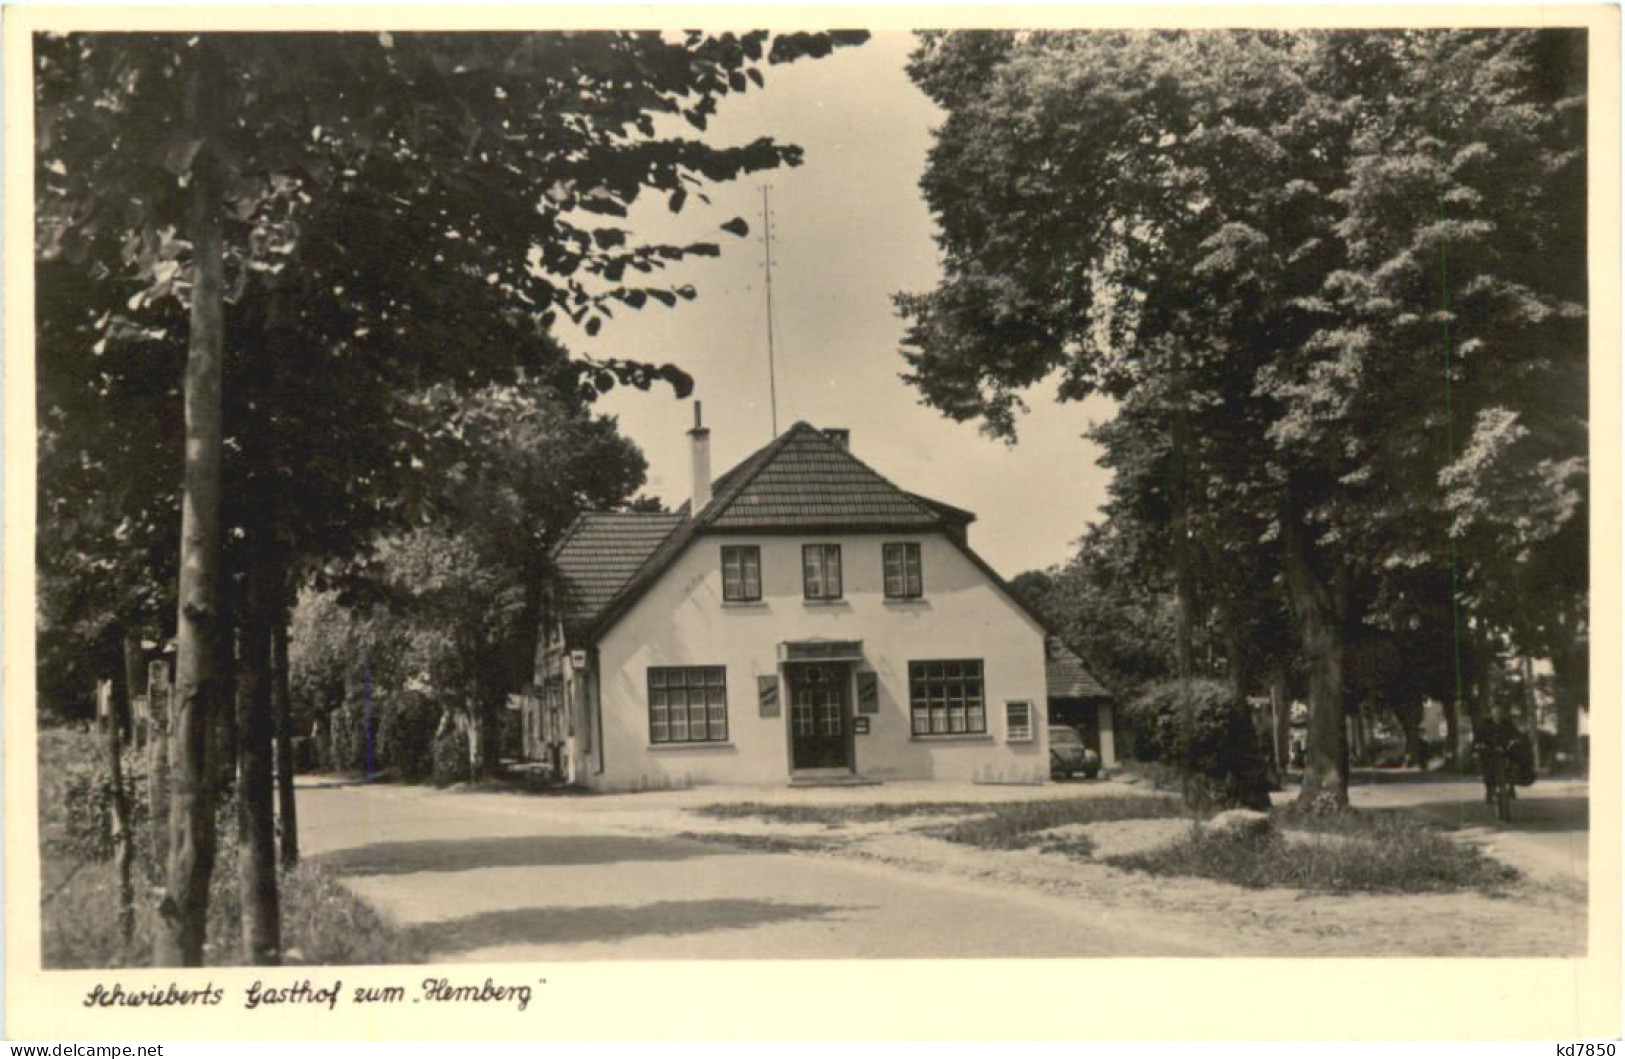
{"x":767,"y":696}
{"x":868,"y":693}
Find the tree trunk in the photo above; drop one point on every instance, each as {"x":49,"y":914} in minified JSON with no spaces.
{"x":135,"y":678}
{"x":369,"y":722}
{"x":1452,"y":730}
{"x":1238,"y":664}
{"x":183,"y":913}
{"x":1489,"y":679}
{"x":1320,"y":630}
{"x":1571,"y":687}
{"x":282,"y":705}
{"x":256,"y":817}
{"x":1280,"y":715}
{"x":1531,"y":712}
{"x":1568,"y":727}
{"x":223,"y":739}
{"x":119,"y":707}
{"x":479,"y":758}
{"x":1184,"y":586}
{"x":1183,"y":608}
{"x":158,"y":766}
{"x":1413,"y":745}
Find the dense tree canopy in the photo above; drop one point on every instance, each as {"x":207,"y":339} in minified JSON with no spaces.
{"x":322,"y":228}
{"x":1332,"y":278}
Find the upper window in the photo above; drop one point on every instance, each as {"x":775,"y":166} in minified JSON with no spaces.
{"x":945,"y":697}
{"x":741,"y":573}
{"x":688,"y":704}
{"x":821,"y":571}
{"x":902,"y":568}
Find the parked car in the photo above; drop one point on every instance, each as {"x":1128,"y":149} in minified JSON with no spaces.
{"x":1068,"y":756}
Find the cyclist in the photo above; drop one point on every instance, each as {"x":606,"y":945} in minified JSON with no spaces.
{"x":1497,"y":742}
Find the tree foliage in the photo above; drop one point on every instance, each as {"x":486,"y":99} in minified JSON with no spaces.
{"x":1330,"y":277}
{"x":452,"y":608}
{"x":407,"y":210}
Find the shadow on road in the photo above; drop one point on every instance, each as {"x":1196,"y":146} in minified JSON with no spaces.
{"x":599,"y":923}
{"x":1361,"y":777}
{"x":520,"y":851}
{"x":1543,"y":815}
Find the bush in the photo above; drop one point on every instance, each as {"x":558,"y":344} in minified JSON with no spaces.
{"x":350,"y":737}
{"x":451,"y":757}
{"x":400,"y":738}
{"x":1199,"y":729}
{"x":1152,"y":723}
{"x":88,"y":806}
{"x":406,"y":729}
{"x":76,"y":797}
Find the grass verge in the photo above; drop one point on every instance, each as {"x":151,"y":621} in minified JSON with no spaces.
{"x":836,"y":815}
{"x":322,"y":921}
{"x":1348,"y":853}
{"x":1015,"y":825}
{"x":760,"y":843}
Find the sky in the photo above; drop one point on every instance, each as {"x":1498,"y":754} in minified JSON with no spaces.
{"x":850,"y":230}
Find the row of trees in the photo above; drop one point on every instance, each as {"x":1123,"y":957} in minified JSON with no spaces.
{"x":323,"y":267}
{"x":1335,"y":283}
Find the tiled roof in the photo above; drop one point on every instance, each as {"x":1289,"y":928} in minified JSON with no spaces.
{"x":601,"y":553}
{"x":803,"y":479}
{"x":799,"y":480}
{"x":1067,"y":677}
{"x":947,"y":511}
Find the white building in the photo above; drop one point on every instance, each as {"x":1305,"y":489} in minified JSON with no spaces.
{"x":801,"y":619}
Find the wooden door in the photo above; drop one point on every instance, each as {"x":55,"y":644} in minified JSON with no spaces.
{"x":820,"y":708}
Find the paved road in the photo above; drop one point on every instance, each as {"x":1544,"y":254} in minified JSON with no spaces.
{"x":1548,"y":836}
{"x":504,"y":877}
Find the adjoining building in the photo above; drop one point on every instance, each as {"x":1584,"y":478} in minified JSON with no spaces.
{"x":1078,"y":700}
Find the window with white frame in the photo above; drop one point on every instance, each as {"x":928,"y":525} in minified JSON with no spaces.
{"x":741,"y":573}
{"x":945,"y":697}
{"x":901,"y":562}
{"x":821,"y":571}
{"x":688,"y":704}
{"x":1018,"y":722}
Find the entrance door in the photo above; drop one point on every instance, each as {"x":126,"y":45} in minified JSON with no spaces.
{"x":819,"y":703}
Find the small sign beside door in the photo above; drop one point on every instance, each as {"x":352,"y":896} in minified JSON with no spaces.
{"x":767,"y":696}
{"x":868,"y":693}
{"x":860,"y":726}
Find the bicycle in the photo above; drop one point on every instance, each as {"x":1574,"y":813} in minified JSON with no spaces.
{"x":1499,"y":789}
{"x":1504,"y":793}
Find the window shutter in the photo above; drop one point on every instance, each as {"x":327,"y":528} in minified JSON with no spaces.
{"x":767,"y":696}
{"x":868,"y":693}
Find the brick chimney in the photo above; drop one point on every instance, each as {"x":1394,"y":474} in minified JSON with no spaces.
{"x":700,"y":464}
{"x":841,"y":436}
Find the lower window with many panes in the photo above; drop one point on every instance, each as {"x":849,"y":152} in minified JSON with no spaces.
{"x":688,"y":704}
{"x":945,"y":697}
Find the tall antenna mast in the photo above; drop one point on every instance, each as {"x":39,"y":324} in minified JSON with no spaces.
{"x":767,"y":260}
